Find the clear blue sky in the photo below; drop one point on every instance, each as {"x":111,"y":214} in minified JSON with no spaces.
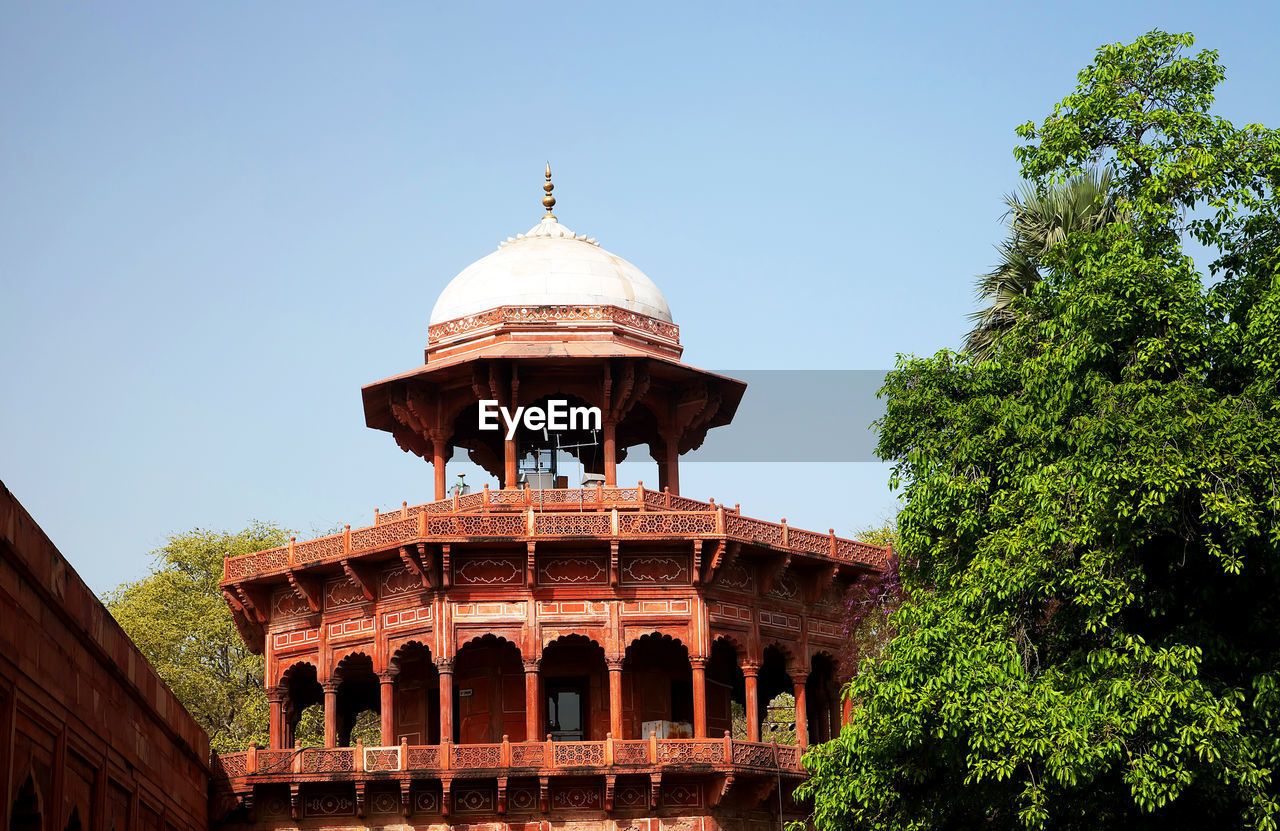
{"x":219,"y":220}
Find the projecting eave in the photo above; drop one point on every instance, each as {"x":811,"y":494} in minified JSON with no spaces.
{"x":583,"y":356}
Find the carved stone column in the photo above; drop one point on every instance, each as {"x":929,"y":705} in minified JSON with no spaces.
{"x":802,"y":717}
{"x":330,"y":713}
{"x":439,"y":449}
{"x":509,"y":464}
{"x":699,"y":697}
{"x":751,"y":674}
{"x":276,"y":725}
{"x":671,"y":464}
{"x":615,"y":697}
{"x":445,"y":667}
{"x":532,"y":707}
{"x":386,"y":693}
{"x":610,"y":454}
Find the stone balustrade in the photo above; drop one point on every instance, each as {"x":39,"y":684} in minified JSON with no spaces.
{"x":606,"y":513}
{"x":543,"y":758}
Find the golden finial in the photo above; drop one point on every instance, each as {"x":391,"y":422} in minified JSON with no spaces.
{"x":549,"y":201}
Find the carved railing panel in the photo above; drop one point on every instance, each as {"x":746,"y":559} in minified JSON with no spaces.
{"x":328,"y":760}
{"x":690,"y":752}
{"x":573,"y":525}
{"x":754,"y":754}
{"x":667,"y":524}
{"x":318,"y":549}
{"x":808,"y":541}
{"x":463,"y":756}
{"x":578,"y":754}
{"x":231,"y":764}
{"x":788,"y":756}
{"x":274,"y":761}
{"x":528,"y":755}
{"x":629,"y":752}
{"x":381,"y":759}
{"x":424,"y":758}
{"x":384,"y":536}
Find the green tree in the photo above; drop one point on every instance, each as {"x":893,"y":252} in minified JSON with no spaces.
{"x":872,"y":599}
{"x":178,"y":618}
{"x":1040,"y":218}
{"x":1091,"y":529}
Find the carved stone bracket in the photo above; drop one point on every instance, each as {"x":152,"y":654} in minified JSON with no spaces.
{"x":697,"y":561}
{"x":822,"y":581}
{"x":531,"y":577}
{"x":655,"y":786}
{"x":502,"y":795}
{"x":414,"y":564}
{"x":307,"y":589}
{"x":614,"y":573}
{"x":726,"y":554}
{"x":718,"y":794}
{"x":295,"y":801}
{"x":363,"y":579}
{"x":362,"y":801}
{"x":446,"y":784}
{"x":406,"y":805}
{"x":446,"y":576}
{"x":609,"y":781}
{"x":544,"y":793}
{"x":770,"y":574}
{"x":761,"y":789}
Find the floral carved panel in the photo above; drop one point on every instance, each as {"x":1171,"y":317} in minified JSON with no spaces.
{"x":399,"y":581}
{"x":785,"y":587}
{"x":342,"y":592}
{"x":572,"y":571}
{"x":488,"y":571}
{"x":735,"y":577}
{"x":286,"y":603}
{"x":655,"y":570}
{"x":579,"y":797}
{"x":329,"y":805}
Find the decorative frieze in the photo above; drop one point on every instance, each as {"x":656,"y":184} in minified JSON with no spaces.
{"x":340,"y":592}
{"x":488,"y":571}
{"x":572,"y":571}
{"x":296,"y":639}
{"x":406,"y":617}
{"x":655,"y":570}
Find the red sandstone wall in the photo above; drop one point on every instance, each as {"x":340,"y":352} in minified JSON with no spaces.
{"x":82,"y":713}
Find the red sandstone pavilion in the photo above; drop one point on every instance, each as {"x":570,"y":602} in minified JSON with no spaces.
{"x":540,"y":655}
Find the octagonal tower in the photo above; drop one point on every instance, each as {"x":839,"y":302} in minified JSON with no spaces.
{"x":601,"y":655}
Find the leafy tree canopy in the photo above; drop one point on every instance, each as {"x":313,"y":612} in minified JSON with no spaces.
{"x":1091,"y":531}
{"x":177,"y":617}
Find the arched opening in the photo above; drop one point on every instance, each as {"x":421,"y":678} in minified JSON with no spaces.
{"x":726,"y":692}
{"x":659,"y":677}
{"x":417,"y":695}
{"x":575,"y":689}
{"x":488,"y":692}
{"x":26,"y":814}
{"x":304,"y":706}
{"x":822,"y":697}
{"x":73,"y":822}
{"x":359,"y":705}
{"x":777,"y":715}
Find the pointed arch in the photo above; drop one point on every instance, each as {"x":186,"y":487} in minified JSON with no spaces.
{"x":27,"y":812}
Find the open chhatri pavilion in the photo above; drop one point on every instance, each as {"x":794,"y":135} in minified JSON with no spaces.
{"x":541,"y":655}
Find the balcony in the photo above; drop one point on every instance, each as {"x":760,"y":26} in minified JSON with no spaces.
{"x":439,"y":771}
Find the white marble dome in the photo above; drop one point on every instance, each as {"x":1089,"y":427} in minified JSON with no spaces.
{"x":549,"y":266}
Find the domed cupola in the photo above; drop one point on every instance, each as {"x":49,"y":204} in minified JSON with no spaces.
{"x":550,"y":265}
{"x":552,"y":314}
